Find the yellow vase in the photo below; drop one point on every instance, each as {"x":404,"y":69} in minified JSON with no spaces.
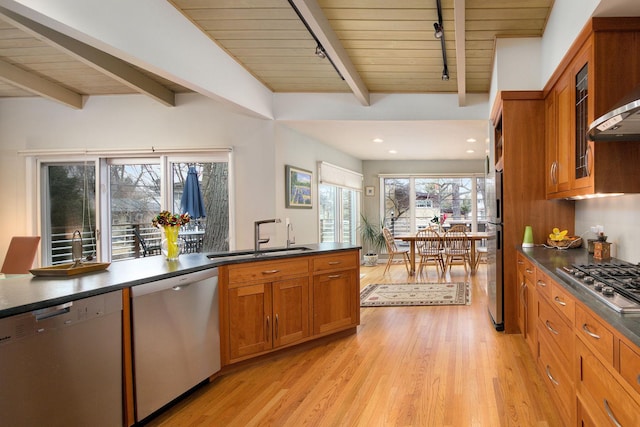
{"x":171,"y":242}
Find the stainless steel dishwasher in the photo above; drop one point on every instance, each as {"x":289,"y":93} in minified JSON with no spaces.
{"x":62,"y":365}
{"x":176,"y":337}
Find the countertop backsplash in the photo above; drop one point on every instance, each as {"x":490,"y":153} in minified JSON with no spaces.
{"x":619,"y":217}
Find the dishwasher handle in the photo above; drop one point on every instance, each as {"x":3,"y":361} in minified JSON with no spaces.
{"x":49,"y":312}
{"x":175,"y":283}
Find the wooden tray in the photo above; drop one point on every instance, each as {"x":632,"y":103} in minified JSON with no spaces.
{"x":64,"y":270}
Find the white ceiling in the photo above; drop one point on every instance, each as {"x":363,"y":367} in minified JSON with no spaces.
{"x":412,"y":140}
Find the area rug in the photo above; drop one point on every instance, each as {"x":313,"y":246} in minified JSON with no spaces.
{"x":404,"y":294}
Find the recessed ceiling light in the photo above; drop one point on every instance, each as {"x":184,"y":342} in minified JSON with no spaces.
{"x":471,"y":140}
{"x":470,"y":151}
{"x":393,"y":152}
{"x":378,"y":140}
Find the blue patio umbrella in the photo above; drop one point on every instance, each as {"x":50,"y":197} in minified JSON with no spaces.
{"x":191,"y":200}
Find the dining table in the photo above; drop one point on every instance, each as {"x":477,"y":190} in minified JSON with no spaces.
{"x":473,"y":236}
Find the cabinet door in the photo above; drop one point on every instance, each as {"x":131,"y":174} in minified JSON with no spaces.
{"x":582,"y":107}
{"x":290,"y":311}
{"x":558,"y":137}
{"x":564,"y":102}
{"x":250,"y":322}
{"x":335,"y":301}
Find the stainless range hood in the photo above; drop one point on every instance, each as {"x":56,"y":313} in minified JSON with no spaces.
{"x":620,"y":124}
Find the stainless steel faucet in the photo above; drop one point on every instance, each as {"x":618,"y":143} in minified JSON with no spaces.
{"x":256,"y":233}
{"x":290,"y":240}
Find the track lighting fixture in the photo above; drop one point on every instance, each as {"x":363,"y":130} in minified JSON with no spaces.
{"x":439,"y":32}
{"x":445,"y":73}
{"x":320,"y":53}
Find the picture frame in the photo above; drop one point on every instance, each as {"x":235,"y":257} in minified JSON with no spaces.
{"x":298,"y":188}
{"x":369,"y":191}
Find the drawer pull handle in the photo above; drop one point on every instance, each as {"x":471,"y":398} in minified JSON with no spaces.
{"x":276,"y":326}
{"x":550,"y":328}
{"x":270,"y":271}
{"x":334,"y":276}
{"x":541,"y":283}
{"x":520,"y":262}
{"x":553,"y":380}
{"x":610,"y":414}
{"x":559,"y":301}
{"x":334,"y":262}
{"x":591,"y":334}
{"x":528,"y":270}
{"x":638,"y":379}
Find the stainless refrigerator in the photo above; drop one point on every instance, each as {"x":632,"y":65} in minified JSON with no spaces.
{"x":495,"y":286}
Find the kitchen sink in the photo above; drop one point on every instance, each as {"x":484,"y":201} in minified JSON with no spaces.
{"x":266,"y":253}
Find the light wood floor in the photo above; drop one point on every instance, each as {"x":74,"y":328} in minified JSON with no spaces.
{"x":406,"y":366}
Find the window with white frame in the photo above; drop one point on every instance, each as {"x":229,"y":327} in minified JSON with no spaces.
{"x":135,"y":189}
{"x":339,"y":195}
{"x":411,"y":203}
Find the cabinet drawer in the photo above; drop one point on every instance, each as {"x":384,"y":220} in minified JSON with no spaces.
{"x":240,"y":274}
{"x":599,"y":389}
{"x":557,"y":331}
{"x":563,"y":302}
{"x":593,"y":331}
{"x":630,"y":365}
{"x":543,"y":284}
{"x":527,"y":268}
{"x":336,"y":261}
{"x":557,"y":377}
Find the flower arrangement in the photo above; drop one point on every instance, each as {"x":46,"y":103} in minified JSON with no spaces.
{"x":167,"y":219}
{"x":171,"y":224}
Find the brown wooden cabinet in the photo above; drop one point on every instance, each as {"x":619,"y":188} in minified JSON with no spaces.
{"x":336,"y":303}
{"x":518,"y":118}
{"x":558,"y":137}
{"x":593,"y":76}
{"x":267,"y":308}
{"x":271,"y":304}
{"x":527,"y":302}
{"x":556,"y":349}
{"x":591,"y":369}
{"x":599,"y":390}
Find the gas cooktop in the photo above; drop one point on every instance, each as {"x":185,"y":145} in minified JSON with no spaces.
{"x":617,"y":284}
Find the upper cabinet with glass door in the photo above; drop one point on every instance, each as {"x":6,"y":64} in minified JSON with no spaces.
{"x":597,"y":71}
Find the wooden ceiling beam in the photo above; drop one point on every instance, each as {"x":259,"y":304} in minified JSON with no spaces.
{"x":39,"y":86}
{"x":319,"y":24}
{"x":101,"y":61}
{"x":461,"y":53}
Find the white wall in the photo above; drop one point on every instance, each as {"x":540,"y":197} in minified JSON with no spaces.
{"x":296,"y":149}
{"x":619,"y":216}
{"x":135,"y":121}
{"x":261,"y":148}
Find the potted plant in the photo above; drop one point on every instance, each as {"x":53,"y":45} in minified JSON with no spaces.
{"x":372,"y":239}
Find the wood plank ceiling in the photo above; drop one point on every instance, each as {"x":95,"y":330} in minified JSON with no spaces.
{"x":390,"y":45}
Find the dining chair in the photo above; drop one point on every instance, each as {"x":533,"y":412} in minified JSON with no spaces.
{"x":392,"y":250}
{"x":457,"y":247}
{"x":20,"y":255}
{"x":481,"y":255}
{"x":147,"y":249}
{"x":429,"y":247}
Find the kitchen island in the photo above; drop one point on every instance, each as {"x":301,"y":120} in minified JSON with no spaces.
{"x":24,"y":293}
{"x":284,"y":296}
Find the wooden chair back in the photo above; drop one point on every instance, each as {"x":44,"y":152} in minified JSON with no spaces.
{"x":20,"y":255}
{"x":428,"y":242}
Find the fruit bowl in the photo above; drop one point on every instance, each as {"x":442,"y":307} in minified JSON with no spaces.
{"x":568,"y":242}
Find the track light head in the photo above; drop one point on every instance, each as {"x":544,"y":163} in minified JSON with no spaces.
{"x":320,"y":52}
{"x":445,"y":73}
{"x":439,"y":32}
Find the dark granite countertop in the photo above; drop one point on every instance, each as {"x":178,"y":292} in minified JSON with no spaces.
{"x":550,"y":259}
{"x":24,"y":293}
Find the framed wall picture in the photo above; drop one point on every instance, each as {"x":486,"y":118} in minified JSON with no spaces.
{"x":298,"y":187}
{"x":369,"y":191}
